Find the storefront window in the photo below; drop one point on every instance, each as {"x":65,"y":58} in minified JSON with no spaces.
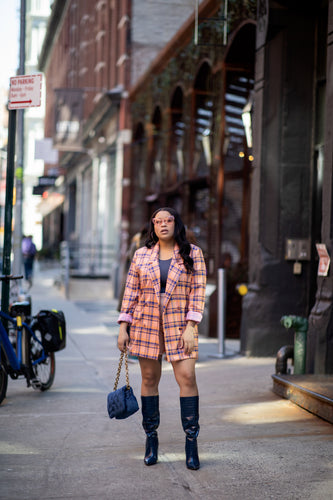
{"x":86,"y":206}
{"x":139,"y":183}
{"x":238,"y":93}
{"x":202,"y":157}
{"x":199,"y":202}
{"x":156,"y":161}
{"x":138,"y":156}
{"x":176,"y":161}
{"x":237,"y":163}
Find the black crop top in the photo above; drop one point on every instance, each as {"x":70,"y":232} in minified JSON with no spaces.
{"x":164,"y":269}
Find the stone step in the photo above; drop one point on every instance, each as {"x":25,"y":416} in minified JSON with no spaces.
{"x":311,"y":392}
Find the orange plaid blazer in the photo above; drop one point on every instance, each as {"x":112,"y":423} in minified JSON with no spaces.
{"x":184,"y":301}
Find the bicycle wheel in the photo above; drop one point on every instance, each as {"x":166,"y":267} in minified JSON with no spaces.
{"x":3,"y":382}
{"x":42,"y":373}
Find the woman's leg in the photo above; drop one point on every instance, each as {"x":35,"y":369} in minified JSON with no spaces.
{"x":151,"y":370}
{"x":151,"y":374}
{"x":184,"y":371}
{"x":189,"y":406}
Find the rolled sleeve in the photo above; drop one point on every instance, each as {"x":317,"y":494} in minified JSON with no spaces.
{"x":125,"y":317}
{"x":194,"y":316}
{"x":198,"y":287}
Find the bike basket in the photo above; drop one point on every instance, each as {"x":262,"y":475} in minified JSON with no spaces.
{"x":53,"y":329}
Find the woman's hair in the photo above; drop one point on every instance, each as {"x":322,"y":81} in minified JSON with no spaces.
{"x":179,"y":235}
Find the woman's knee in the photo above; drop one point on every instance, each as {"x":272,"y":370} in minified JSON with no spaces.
{"x":150,"y":379}
{"x":150,"y":374}
{"x":188,"y":380}
{"x":185,"y":375}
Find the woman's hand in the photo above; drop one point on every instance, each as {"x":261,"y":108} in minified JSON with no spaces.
{"x":187,"y":339}
{"x":123,"y":337}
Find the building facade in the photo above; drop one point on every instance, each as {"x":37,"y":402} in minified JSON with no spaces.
{"x":92,"y":54}
{"x":37,"y":14}
{"x":291,"y":185}
{"x":262,"y":206}
{"x":227,"y":121}
{"x":189,"y":146}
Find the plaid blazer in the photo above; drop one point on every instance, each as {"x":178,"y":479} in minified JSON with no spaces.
{"x":184,"y":301}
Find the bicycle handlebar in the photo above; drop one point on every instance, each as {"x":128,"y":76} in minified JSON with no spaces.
{"x":7,"y":277}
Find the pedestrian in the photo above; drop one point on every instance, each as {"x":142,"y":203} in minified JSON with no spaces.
{"x":28,"y":253}
{"x":163,"y":303}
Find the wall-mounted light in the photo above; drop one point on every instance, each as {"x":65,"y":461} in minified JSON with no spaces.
{"x":206,"y":146}
{"x":247,"y":121}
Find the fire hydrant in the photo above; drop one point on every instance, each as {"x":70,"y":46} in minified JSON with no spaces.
{"x":300,"y":325}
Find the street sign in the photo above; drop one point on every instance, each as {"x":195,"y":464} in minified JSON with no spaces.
{"x":47,"y":180}
{"x":25,"y":91}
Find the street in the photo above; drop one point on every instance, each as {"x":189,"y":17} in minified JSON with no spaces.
{"x":62,"y":444}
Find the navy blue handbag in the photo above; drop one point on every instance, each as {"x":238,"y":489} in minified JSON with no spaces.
{"x":122,"y":403}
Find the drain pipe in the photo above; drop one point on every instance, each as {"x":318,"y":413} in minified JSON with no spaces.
{"x":300,"y":326}
{"x":281,"y":365}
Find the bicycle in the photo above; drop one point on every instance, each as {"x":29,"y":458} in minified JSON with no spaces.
{"x":24,"y":356}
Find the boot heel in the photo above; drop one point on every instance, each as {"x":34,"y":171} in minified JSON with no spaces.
{"x":192,"y":457}
{"x":151,"y":449}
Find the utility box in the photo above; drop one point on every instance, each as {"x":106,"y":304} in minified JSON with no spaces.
{"x":298,"y":249}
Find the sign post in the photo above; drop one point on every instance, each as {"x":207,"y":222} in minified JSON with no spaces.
{"x":8,"y":209}
{"x":24,"y":92}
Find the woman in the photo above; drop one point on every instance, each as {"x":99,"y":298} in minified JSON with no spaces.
{"x":163,"y":303}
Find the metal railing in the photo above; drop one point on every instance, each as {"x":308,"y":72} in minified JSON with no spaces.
{"x":86,"y":261}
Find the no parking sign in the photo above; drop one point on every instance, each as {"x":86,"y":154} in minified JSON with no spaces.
{"x":324,"y":259}
{"x":25,"y":91}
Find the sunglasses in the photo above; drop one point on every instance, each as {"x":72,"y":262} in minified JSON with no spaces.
{"x":167,"y":220}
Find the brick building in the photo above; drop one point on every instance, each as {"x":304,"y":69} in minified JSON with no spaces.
{"x":264,"y":205}
{"x":93,"y":52}
{"x":170,"y":129}
{"x":189,"y":147}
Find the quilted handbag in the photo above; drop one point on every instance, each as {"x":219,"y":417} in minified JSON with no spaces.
{"x":122,"y":403}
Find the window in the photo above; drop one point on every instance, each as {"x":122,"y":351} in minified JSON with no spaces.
{"x":203,"y":119}
{"x":156,"y":151}
{"x":175,"y":170}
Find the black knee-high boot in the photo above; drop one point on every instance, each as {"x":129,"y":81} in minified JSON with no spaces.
{"x":150,"y":422}
{"x":189,"y":408}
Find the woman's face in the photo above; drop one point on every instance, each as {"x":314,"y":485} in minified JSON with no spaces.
{"x":164,"y":225}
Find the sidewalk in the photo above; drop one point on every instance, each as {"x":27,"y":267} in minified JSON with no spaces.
{"x":311,"y":392}
{"x":106,"y":310}
{"x":61,"y":443}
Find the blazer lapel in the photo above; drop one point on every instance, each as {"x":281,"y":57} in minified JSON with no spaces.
{"x":175,"y":270}
{"x":154,"y":270}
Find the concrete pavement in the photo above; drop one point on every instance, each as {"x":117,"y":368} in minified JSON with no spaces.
{"x":61,"y":443}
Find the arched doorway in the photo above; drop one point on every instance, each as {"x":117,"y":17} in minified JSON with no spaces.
{"x":155,"y":164}
{"x":175,"y":167}
{"x":138,"y":189}
{"x":201,"y":157}
{"x":237,"y":164}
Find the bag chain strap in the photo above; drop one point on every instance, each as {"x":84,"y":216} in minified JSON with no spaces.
{"x":119,"y":370}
